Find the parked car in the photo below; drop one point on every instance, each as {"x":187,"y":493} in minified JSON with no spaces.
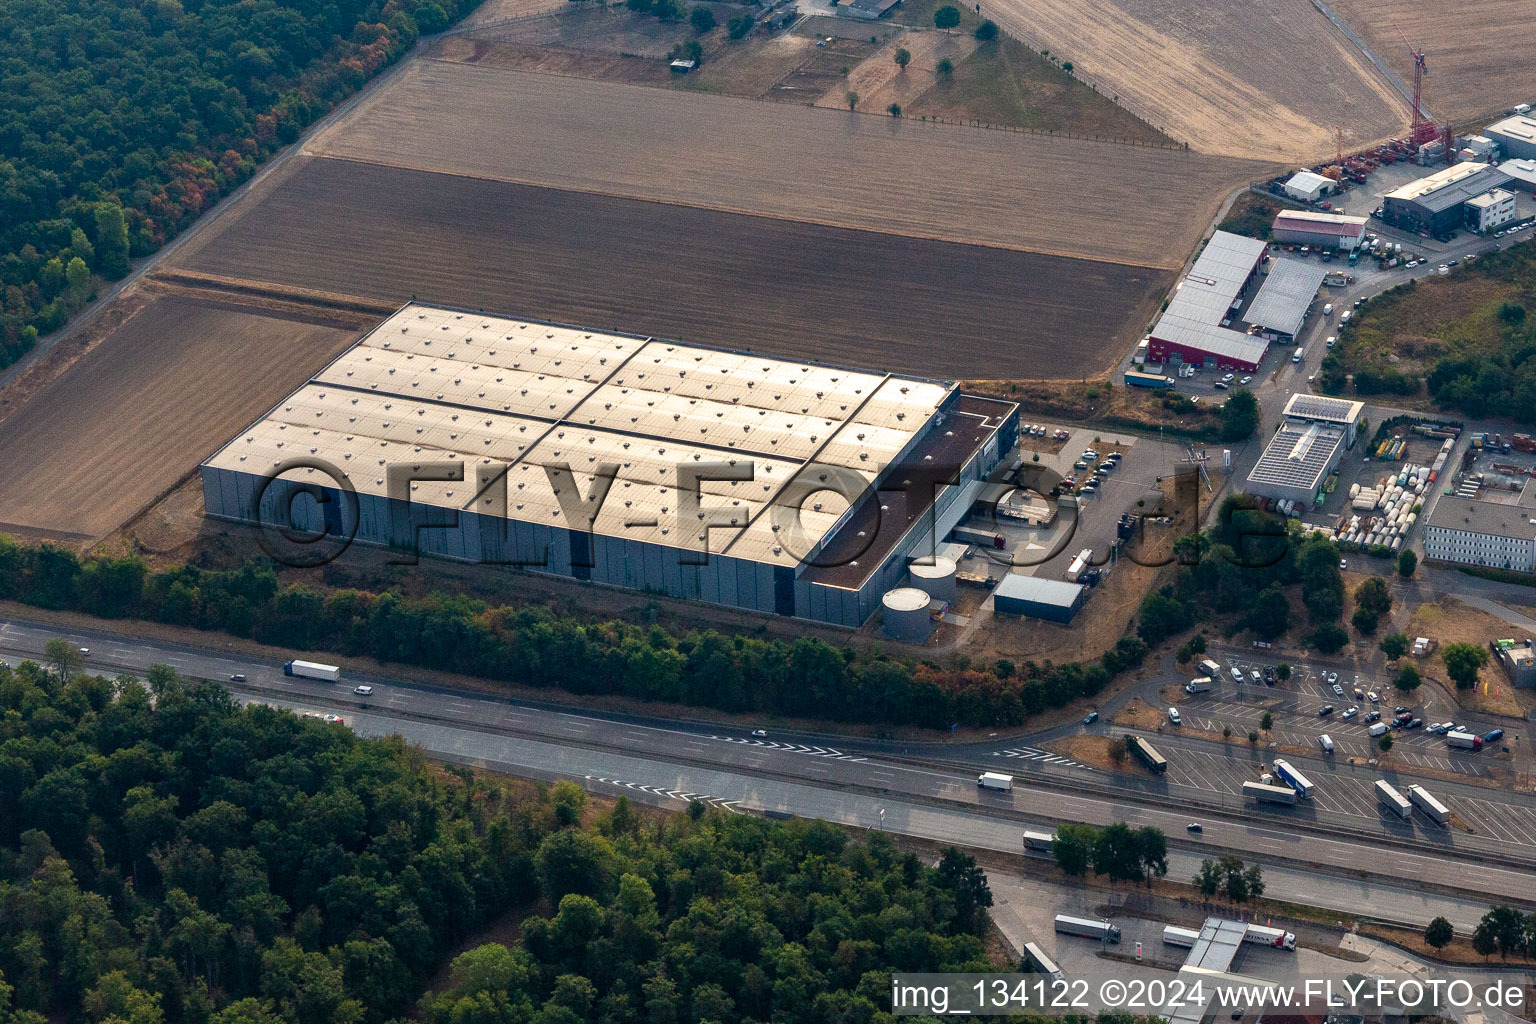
{"x":1173,"y":716}
{"x":1373,"y":697}
{"x":1325,"y":711}
{"x":1374,"y":716}
{"x":1338,"y":691}
{"x":1333,"y":677}
{"x":1414,"y":724}
{"x":1332,"y":340}
{"x":1228,"y":378}
{"x":1221,"y":385}
{"x":1350,"y":713}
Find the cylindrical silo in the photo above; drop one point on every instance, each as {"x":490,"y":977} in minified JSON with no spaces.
{"x":936,"y":576}
{"x":906,"y":615}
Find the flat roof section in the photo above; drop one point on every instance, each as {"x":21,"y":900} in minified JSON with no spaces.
{"x":1317,"y":221}
{"x":1323,"y":409}
{"x":1034,"y":588}
{"x":879,"y":521}
{"x":516,"y":397}
{"x":1450,"y":186}
{"x":1492,"y":518}
{"x":1298,"y":456}
{"x":1285,"y":295}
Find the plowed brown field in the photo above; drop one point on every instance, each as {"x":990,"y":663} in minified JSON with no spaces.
{"x":779,"y":286}
{"x":139,"y":411}
{"x":1046,"y":194}
{"x":1235,"y":77}
{"x":1481,"y":56}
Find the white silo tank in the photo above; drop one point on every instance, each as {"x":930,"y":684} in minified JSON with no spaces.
{"x":906,"y":615}
{"x":936,"y":576}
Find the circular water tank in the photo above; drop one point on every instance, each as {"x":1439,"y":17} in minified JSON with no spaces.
{"x":906,"y":615}
{"x":937,"y":578}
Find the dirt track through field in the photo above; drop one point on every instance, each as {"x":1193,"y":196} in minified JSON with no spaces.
{"x":769,"y":285}
{"x":1239,"y":78}
{"x":1135,"y":205}
{"x":139,"y":411}
{"x":1481,"y":56}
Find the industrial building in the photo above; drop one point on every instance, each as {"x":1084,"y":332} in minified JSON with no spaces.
{"x":1488,"y":533}
{"x":1309,"y":186}
{"x":1195,"y":328}
{"x":1285,"y":297}
{"x":1434,"y":203}
{"x":1520,"y":174}
{"x":1305,"y":450}
{"x":1490,"y":210}
{"x":1515,"y":135}
{"x":730,"y":478}
{"x":1323,"y":230}
{"x":1038,"y":598}
{"x":1518,"y":659}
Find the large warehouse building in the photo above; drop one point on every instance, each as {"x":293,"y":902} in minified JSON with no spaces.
{"x":1515,"y":135}
{"x":724,"y":477}
{"x":1314,"y":434}
{"x":1327,"y":230}
{"x":1434,"y":204}
{"x":1195,"y":328}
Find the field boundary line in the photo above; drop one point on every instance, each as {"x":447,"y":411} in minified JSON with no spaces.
{"x":757,"y":214}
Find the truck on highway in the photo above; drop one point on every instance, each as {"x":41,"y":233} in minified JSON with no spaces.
{"x":1148,"y":754}
{"x":1425,"y":801}
{"x":1176,"y":936}
{"x":994,"y":780}
{"x":1289,"y":774}
{"x":1042,"y":964}
{"x":1388,"y":796}
{"x":1278,"y":938}
{"x":1265,"y":793}
{"x":1088,"y":929}
{"x":1201,"y":684}
{"x":312,"y":670}
{"x":1039,"y":842}
{"x":1463,"y":740}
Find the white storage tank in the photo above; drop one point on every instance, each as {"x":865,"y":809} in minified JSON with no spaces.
{"x":906,"y":615}
{"x":1354,"y":490}
{"x":936,"y":576}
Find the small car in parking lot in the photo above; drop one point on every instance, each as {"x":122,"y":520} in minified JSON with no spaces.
{"x":1221,"y":385}
{"x":1359,"y":694}
{"x":1350,"y":713}
{"x":1338,"y":691}
{"x":1325,"y":711}
{"x":1256,"y":676}
{"x":363,"y":691}
{"x":1228,"y":378}
{"x":759,"y":734}
{"x":1374,"y":716}
{"x":1373,"y":697}
{"x":1400,"y":709}
{"x":1333,"y":677}
{"x":1414,"y":723}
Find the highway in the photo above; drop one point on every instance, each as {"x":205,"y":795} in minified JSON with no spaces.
{"x":663,"y":762}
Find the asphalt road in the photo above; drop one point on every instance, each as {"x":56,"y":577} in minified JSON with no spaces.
{"x":664,"y":762}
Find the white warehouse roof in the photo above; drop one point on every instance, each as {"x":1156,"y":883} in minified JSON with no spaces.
{"x":1309,"y":181}
{"x":514,"y":396}
{"x":1205,"y":298}
{"x":1323,"y":409}
{"x":1287,"y":292}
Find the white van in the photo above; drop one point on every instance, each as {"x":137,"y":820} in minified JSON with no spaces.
{"x":1328,"y":309}
{"x":1297,"y":356}
{"x":1378,"y":729}
{"x":1344,"y":317}
{"x":1237,"y":674}
{"x":1522,"y":108}
{"x":1173,"y":716}
{"x":1326,"y":742}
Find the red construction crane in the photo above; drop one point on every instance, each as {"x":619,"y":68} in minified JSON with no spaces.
{"x":1423,"y":128}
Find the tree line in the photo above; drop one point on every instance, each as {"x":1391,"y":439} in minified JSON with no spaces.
{"x":537,"y":646}
{"x":170,"y":857}
{"x":121,"y":122}
{"x":1118,"y":852}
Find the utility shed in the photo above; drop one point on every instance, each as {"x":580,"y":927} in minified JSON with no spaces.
{"x":1309,"y":187}
{"x":1038,"y":598}
{"x":1285,"y":296}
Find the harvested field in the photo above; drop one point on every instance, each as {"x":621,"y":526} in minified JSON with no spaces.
{"x":1479,"y":55}
{"x":1129,"y":204}
{"x":879,"y":82}
{"x":781,"y":286}
{"x":1263,"y":81}
{"x":136,"y":413}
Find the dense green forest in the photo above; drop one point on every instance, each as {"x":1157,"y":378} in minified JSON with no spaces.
{"x":534,"y":646}
{"x":168,"y":857}
{"x":120,"y":122}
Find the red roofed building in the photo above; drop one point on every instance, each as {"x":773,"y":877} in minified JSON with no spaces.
{"x":1329,"y":230}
